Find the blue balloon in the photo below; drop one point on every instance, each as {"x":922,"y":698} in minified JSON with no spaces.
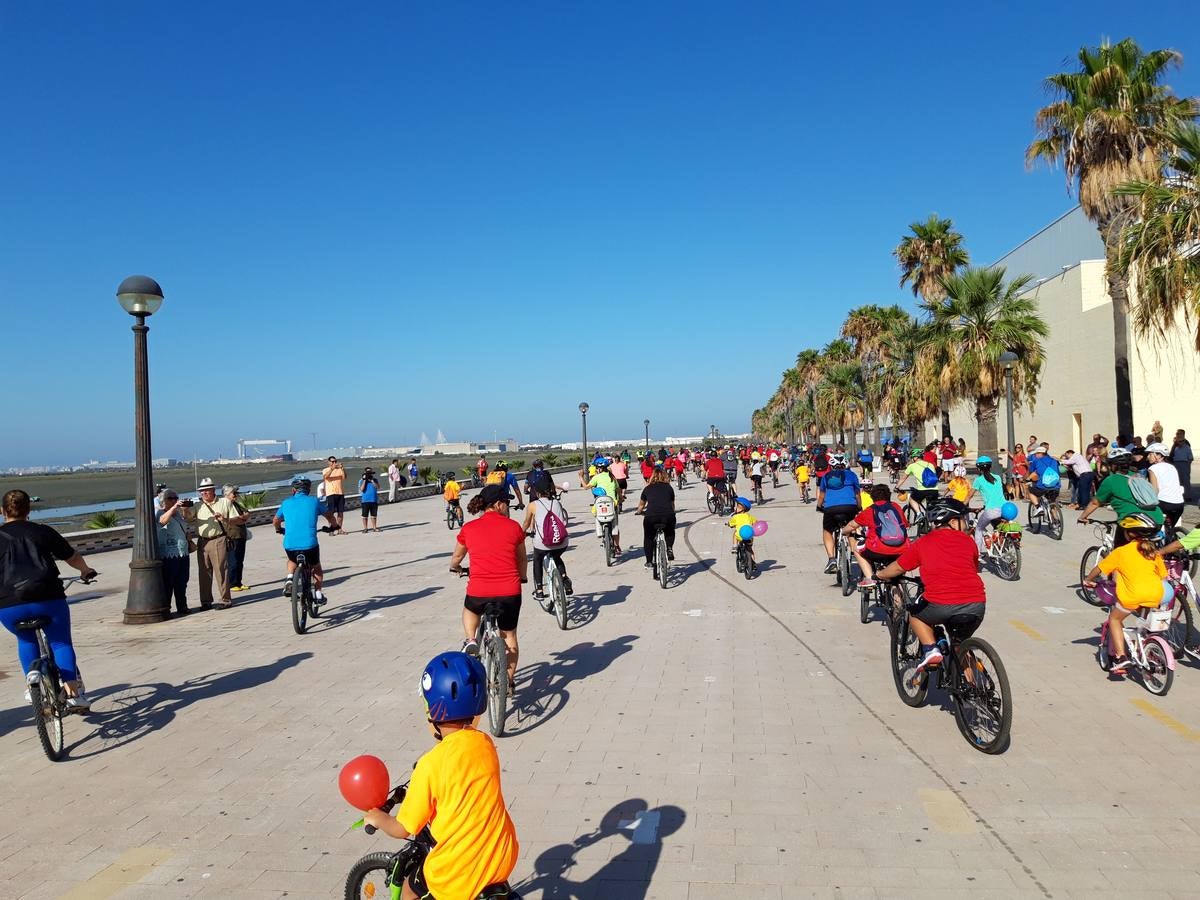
{"x":746,"y":533}
{"x":1009,"y":511}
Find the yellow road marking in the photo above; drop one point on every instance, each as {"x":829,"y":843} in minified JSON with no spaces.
{"x":129,"y":868}
{"x":1171,"y":722}
{"x":947,"y":813}
{"x":1026,"y":630}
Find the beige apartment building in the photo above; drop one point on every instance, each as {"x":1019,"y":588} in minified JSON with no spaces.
{"x":1076,"y":394}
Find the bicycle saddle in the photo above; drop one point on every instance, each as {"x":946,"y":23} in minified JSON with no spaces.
{"x":500,"y":891}
{"x":33,"y":623}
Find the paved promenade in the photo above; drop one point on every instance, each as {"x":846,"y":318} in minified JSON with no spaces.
{"x":720,"y":739}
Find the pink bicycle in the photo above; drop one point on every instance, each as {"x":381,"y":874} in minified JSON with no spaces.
{"x":1145,"y":642}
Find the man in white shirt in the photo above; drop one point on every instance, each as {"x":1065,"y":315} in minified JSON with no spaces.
{"x":393,"y":474}
{"x":1084,"y":476}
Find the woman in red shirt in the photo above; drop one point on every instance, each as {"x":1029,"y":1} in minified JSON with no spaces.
{"x":1020,"y":467}
{"x":499,"y":566}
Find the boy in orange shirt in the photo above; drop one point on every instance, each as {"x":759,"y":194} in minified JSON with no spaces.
{"x":455,"y":790}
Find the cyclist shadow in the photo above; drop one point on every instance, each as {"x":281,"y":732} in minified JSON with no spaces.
{"x":542,"y":686}
{"x":626,"y":874}
{"x":585,"y":608}
{"x":124,"y":713}
{"x":356,"y":610}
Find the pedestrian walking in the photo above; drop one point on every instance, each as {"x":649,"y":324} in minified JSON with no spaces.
{"x":333,"y":477}
{"x":239,"y":534}
{"x":212,"y":517}
{"x":368,"y":489}
{"x":393,"y":474}
{"x":1181,"y":459}
{"x":175,"y":550}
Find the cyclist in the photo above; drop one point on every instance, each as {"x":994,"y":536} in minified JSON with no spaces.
{"x":1140,"y":573}
{"x":1044,"y":480}
{"x":837,"y":495}
{"x":657,"y":504}
{"x":924,"y":479}
{"x":603,"y":479}
{"x":499,"y":566}
{"x":1164,"y":478}
{"x":802,"y":477}
{"x":28,"y":555}
{"x":729,"y":461}
{"x":451,"y":493}
{"x":455,"y":790}
{"x":866,"y":460}
{"x":1117,"y":491}
{"x":949,"y":564}
{"x":741,"y":516}
{"x":991,"y":492}
{"x":958,"y":487}
{"x":514,"y":488}
{"x":296,"y":520}
{"x":820,"y":461}
{"x":714,"y":474}
{"x":887,"y":533}
{"x":756,"y":477}
{"x":773,"y":459}
{"x":619,"y":470}
{"x":544,"y":504}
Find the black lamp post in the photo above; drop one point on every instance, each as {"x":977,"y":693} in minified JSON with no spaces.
{"x":583,"y":408}
{"x":646,"y":422}
{"x":141,"y":296}
{"x":1008,"y":359}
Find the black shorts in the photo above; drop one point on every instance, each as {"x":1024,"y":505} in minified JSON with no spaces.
{"x":1048,"y":493}
{"x":622,"y":483}
{"x":370,"y":508}
{"x":453,"y":503}
{"x":335,"y":503}
{"x":924,"y":495}
{"x":716,"y":482}
{"x":508,"y":612}
{"x":961,"y":619}
{"x":879,"y":560}
{"x":416,"y":881}
{"x":757,"y":479}
{"x":774,"y":465}
{"x":836,"y":517}
{"x":312,"y":556}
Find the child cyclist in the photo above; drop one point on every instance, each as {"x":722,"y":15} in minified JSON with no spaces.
{"x":741,"y":516}
{"x":887,"y":534}
{"x":802,"y":477}
{"x":1140,"y":573}
{"x":455,"y":790}
{"x":451,"y":493}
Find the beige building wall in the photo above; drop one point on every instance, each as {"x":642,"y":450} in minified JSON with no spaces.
{"x":1076,"y":394}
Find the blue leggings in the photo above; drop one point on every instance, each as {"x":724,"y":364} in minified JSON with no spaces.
{"x":58,"y":633}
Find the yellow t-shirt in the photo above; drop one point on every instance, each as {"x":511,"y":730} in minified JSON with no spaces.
{"x":333,"y":477}
{"x":1139,"y":580}
{"x":737,"y":520}
{"x":864,"y":499}
{"x":959,"y":489}
{"x":802,"y":474}
{"x":453,"y":489}
{"x":494,"y":477}
{"x":455,"y":789}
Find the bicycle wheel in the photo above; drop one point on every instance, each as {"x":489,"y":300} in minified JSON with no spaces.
{"x":299,"y":602}
{"x":369,"y":876}
{"x":982,"y":697}
{"x":1103,"y":654}
{"x":864,"y":606}
{"x":608,"y":545}
{"x":739,"y":558}
{"x":1034,"y":522}
{"x":1179,"y":633}
{"x":747,"y":563}
{"x":451,"y":519}
{"x":664,"y":573}
{"x":712,"y":504}
{"x":558,"y":595}
{"x":844,"y":577}
{"x":48,"y":719}
{"x":1157,"y":675}
{"x":897,"y":599}
{"x":913,"y":687}
{"x":1087,"y":562}
{"x":1055,"y":518}
{"x":497,"y":684}
{"x":1008,"y":563}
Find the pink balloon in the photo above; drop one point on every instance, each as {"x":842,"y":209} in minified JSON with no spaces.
{"x":760,"y":528}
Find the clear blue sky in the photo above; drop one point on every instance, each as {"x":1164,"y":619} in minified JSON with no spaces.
{"x":323,"y":191}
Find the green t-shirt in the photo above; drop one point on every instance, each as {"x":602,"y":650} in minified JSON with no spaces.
{"x":1191,"y":540}
{"x":914,"y":470}
{"x":605,"y":481}
{"x":1114,"y":491}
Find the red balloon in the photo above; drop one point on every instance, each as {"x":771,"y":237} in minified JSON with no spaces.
{"x":364,"y":782}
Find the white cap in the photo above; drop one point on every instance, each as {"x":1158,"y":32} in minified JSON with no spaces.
{"x":1041,"y":448}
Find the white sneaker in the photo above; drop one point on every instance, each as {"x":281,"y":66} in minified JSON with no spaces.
{"x":319,"y":598}
{"x":79,"y":704}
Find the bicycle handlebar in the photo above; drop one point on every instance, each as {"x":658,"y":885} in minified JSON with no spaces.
{"x":396,"y":796}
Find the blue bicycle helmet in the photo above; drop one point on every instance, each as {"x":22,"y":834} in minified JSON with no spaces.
{"x":454,"y":687}
{"x":746,"y":503}
{"x":600,"y":462}
{"x":301,"y":483}
{"x":983,"y":461}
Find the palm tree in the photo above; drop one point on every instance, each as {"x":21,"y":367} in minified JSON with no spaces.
{"x":105,"y":519}
{"x":982,"y":317}
{"x":866,"y":326}
{"x":931,"y":252}
{"x":1105,"y":128}
{"x":1162,"y":240}
{"x":839,"y":389}
{"x":911,"y":393}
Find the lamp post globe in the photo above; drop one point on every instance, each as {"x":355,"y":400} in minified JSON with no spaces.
{"x":141,"y":296}
{"x":646,"y":422}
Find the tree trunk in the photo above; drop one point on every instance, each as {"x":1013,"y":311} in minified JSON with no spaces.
{"x":945,"y":406}
{"x":1118,"y":290}
{"x":985,"y":414}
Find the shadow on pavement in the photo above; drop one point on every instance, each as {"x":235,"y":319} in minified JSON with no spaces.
{"x":627,"y":873}
{"x":123,"y":713}
{"x":542,"y":687}
{"x":346,"y":614}
{"x":584,"y":608}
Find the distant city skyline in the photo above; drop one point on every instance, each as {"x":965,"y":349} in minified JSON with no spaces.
{"x":480,"y":215}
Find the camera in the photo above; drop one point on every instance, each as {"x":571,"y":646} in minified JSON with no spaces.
{"x":187,"y":503}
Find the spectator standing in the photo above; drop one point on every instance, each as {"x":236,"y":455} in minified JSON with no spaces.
{"x":413,"y":472}
{"x":368,"y":489}
{"x":1155,"y":434}
{"x":1181,"y":459}
{"x":333,"y":476}
{"x":213,"y":518}
{"x":1092,"y":450}
{"x":1020,"y":470}
{"x":481,"y":468}
{"x":238,"y":537}
{"x":174,"y":550}
{"x":393,"y":474}
{"x":1082,"y":477}
{"x":1164,"y":478}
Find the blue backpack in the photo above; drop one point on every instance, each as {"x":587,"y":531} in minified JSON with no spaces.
{"x":929,"y":478}
{"x":1049,"y":477}
{"x":887,"y":525}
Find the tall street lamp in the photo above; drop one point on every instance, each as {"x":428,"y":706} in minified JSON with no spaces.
{"x":646,"y":422}
{"x":583,"y":408}
{"x":1008,"y":359}
{"x":141,"y":296}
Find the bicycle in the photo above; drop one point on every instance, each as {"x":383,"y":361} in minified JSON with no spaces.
{"x":805,"y":492}
{"x":383,"y":872}
{"x":556,"y":599}
{"x":971,"y":672}
{"x":493,"y":653}
{"x":890,"y":596}
{"x":719,"y":502}
{"x":775,"y":476}
{"x":1050,"y":510}
{"x":44,"y":681}
{"x":1145,"y":642}
{"x":758,"y":494}
{"x":681,"y":477}
{"x":454,"y":515}
{"x":661,"y":562}
{"x":845,"y":561}
{"x":1092,"y":556}
{"x":303,"y":603}
{"x":1001,"y":549}
{"x":744,"y":561}
{"x":606,"y":513}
